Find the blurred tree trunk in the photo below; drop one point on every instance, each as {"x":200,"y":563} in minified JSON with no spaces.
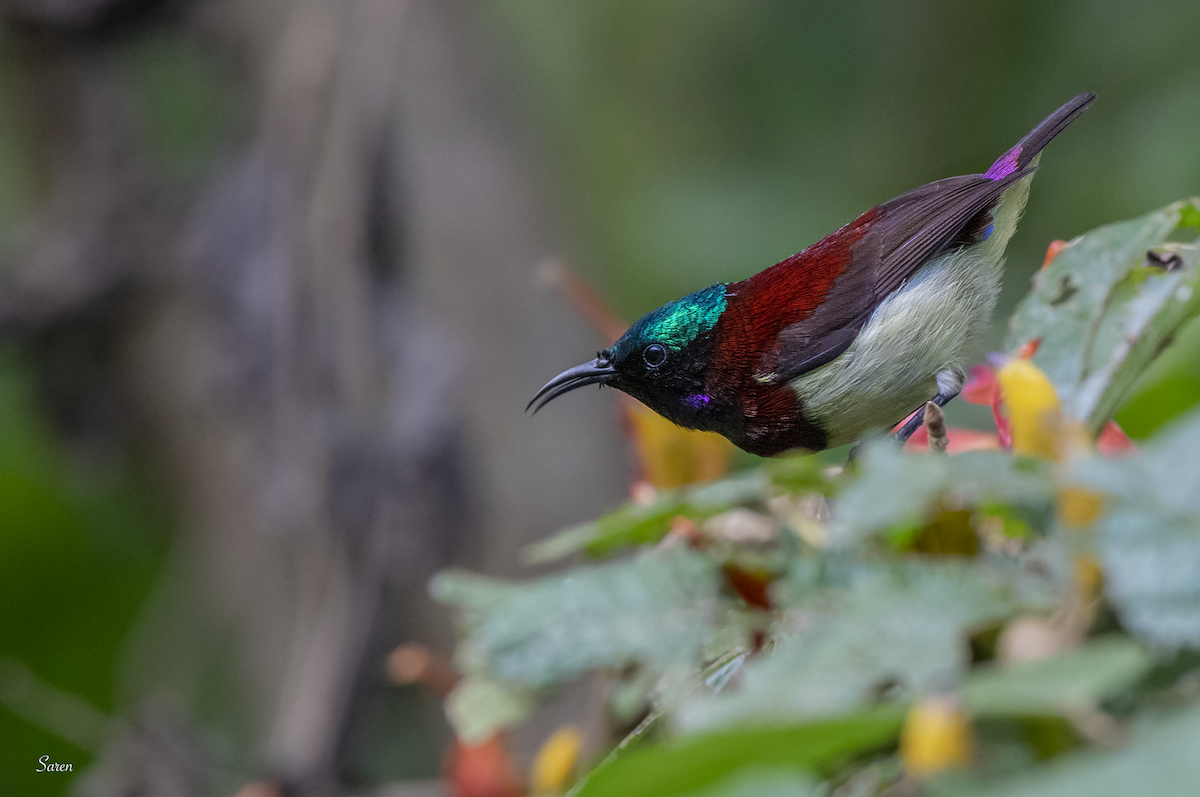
{"x":328,"y":349}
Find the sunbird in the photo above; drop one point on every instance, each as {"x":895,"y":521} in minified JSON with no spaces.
{"x":843,"y":339}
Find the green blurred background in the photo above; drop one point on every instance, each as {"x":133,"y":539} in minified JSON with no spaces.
{"x":680,"y":142}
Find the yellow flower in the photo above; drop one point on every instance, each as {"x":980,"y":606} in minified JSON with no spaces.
{"x":1079,"y":507}
{"x":1034,"y":410}
{"x":556,"y":761}
{"x":936,"y":736}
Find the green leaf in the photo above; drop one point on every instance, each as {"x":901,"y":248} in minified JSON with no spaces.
{"x":1152,"y":572}
{"x":1082,"y":677}
{"x":1150,"y":539}
{"x":634,"y":525}
{"x":900,"y":491}
{"x":1190,"y":216}
{"x":695,"y":762}
{"x":657,"y":608}
{"x":1102,"y":314}
{"x":628,"y":526}
{"x":1169,"y":388}
{"x":762,"y":782}
{"x":902,"y":625}
{"x":1161,"y":761}
{"x":1165,"y":472}
{"x":799,"y":473}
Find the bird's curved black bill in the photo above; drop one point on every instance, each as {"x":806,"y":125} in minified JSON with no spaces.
{"x":598,"y":371}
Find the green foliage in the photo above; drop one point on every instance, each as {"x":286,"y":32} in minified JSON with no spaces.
{"x":697,"y":761}
{"x":896,"y":493}
{"x":1170,"y":387}
{"x":1108,"y":304}
{"x":1078,"y":678}
{"x":900,"y":624}
{"x":79,"y":551}
{"x":634,"y":525}
{"x":1160,"y":760}
{"x":656,"y":608}
{"x":928,"y":579}
{"x":751,"y":782}
{"x":1150,"y":540}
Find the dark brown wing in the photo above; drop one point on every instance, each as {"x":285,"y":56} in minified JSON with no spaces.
{"x":905,"y":234}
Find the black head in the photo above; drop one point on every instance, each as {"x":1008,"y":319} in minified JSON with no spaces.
{"x":660,"y":360}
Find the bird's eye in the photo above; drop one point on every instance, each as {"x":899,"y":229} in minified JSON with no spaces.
{"x":655,"y":355}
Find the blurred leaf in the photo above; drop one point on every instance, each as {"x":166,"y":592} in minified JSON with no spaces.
{"x":1150,"y":540}
{"x":895,"y":490}
{"x":1102,"y":314}
{"x":899,"y":625}
{"x":657,"y":608}
{"x":630,"y":525}
{"x":634,"y":524}
{"x":1078,"y":678}
{"x":1166,"y":472}
{"x":695,"y":762}
{"x":799,"y":473}
{"x":949,"y":533}
{"x":762,"y":782}
{"x":1160,"y":761}
{"x":478,"y":708}
{"x":1152,"y":568}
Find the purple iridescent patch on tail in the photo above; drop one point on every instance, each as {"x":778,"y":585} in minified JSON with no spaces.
{"x":697,"y":400}
{"x":1005,"y":166}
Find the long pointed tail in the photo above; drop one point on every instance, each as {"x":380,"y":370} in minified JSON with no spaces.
{"x":1027,"y":148}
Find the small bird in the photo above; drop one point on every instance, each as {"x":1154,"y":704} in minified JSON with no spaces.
{"x":843,"y":339}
